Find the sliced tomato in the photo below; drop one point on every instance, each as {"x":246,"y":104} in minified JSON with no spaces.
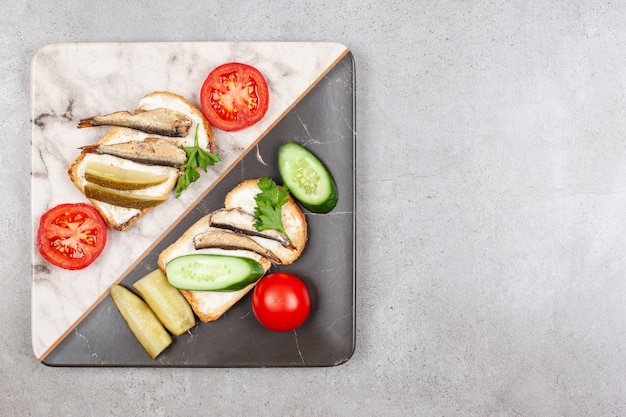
{"x":71,"y":236}
{"x":234,"y":96}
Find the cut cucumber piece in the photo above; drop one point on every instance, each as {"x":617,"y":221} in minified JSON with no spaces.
{"x":122,"y":198}
{"x":207,"y":272}
{"x":167,"y":302}
{"x":307,"y":178}
{"x":141,"y":320}
{"x":120,"y":178}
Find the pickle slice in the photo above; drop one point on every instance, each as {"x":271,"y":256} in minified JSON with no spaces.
{"x":121,"y":178}
{"x":122,"y":198}
{"x":166,"y":302}
{"x":141,"y":320}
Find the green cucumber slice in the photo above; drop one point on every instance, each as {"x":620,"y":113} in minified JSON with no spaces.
{"x":307,"y":178}
{"x":208,"y":272}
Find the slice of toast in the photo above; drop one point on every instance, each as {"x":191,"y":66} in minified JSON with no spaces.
{"x":121,"y":218}
{"x":211,"y":305}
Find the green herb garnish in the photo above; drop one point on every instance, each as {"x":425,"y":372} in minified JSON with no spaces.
{"x":196,"y":158}
{"x":269,"y":203}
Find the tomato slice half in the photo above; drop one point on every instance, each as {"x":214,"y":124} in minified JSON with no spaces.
{"x":71,"y":236}
{"x":234,"y":96}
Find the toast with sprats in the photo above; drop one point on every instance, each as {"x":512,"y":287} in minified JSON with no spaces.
{"x":231,"y":235}
{"x":135,"y":165}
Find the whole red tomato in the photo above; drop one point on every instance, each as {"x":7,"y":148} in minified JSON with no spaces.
{"x":281,"y":302}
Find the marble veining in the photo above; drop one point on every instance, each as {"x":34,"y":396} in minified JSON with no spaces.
{"x":71,"y":81}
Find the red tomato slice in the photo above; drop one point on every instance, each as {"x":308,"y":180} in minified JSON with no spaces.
{"x":234,"y":96}
{"x":71,"y":236}
{"x":281,"y":302}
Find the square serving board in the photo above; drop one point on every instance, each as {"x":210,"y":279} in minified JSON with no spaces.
{"x":312,"y":101}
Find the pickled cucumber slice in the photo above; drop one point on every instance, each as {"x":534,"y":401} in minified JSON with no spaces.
{"x":122,"y":198}
{"x":207,"y":272}
{"x":167,"y":303}
{"x":141,"y":320}
{"x":307,"y":178}
{"x":121,"y":178}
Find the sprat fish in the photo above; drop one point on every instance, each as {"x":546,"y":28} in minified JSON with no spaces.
{"x":153,"y":151}
{"x":216,"y":238}
{"x":161,"y":121}
{"x":242,"y":222}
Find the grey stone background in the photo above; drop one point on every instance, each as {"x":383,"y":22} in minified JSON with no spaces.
{"x":491,"y":194}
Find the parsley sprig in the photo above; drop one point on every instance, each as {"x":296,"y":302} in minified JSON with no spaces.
{"x":196,"y":158}
{"x":269,"y":203}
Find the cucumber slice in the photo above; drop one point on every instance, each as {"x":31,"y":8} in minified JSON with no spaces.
{"x":307,"y":178}
{"x":141,"y":320}
{"x":167,"y":302}
{"x":208,"y":272}
{"x":120,"y":178}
